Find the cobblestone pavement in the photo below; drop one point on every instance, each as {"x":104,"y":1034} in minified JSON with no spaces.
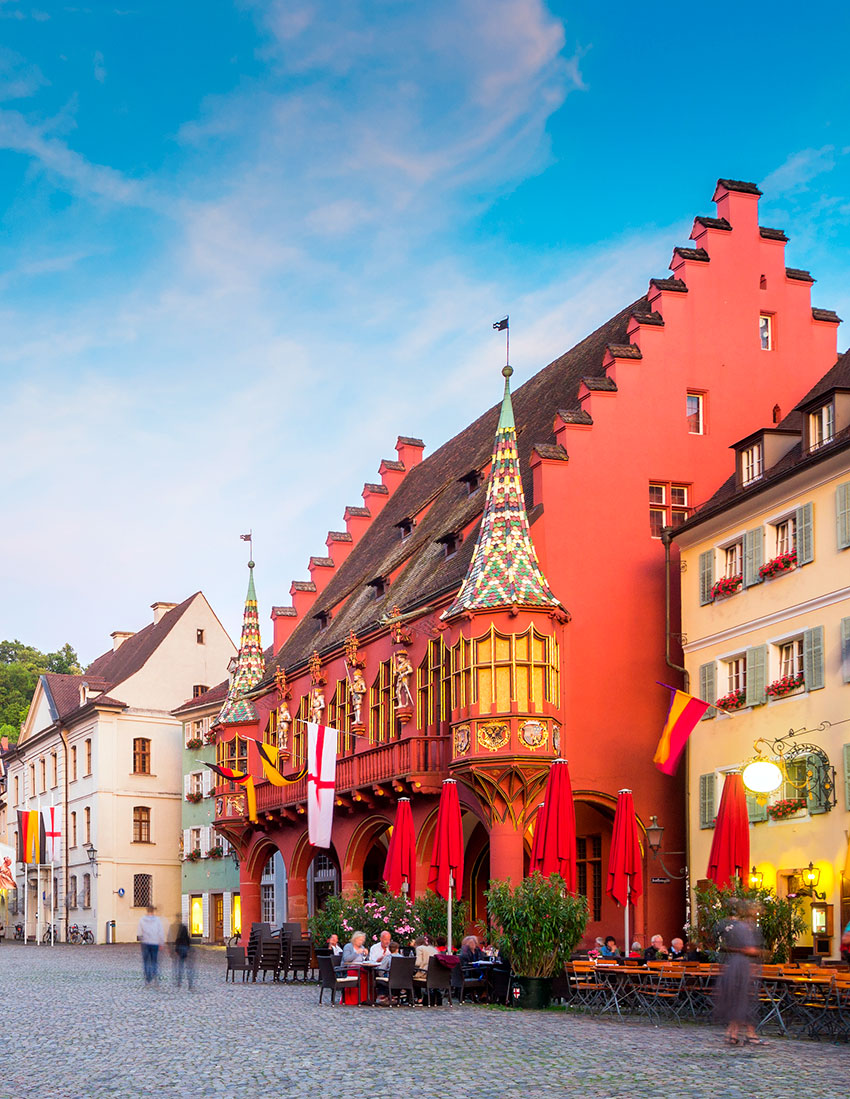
{"x":81,"y":1025}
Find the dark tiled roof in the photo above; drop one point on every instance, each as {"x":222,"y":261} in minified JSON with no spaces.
{"x":339,"y":536}
{"x":552,"y":451}
{"x":284,"y":612}
{"x":772,"y":234}
{"x":133,"y":654}
{"x":826,"y":315}
{"x":836,"y":378}
{"x":369,"y":487}
{"x":214,"y":694}
{"x":321,"y":562}
{"x":575,"y":416}
{"x":698,"y":254}
{"x":649,"y":317}
{"x":739,"y":185}
{"x":625,"y":351}
{"x":669,"y":284}
{"x":798,"y":273}
{"x":303,"y":585}
{"x":410,"y":441}
{"x":714,"y":223}
{"x":392,"y":463}
{"x":352,"y":510}
{"x":603,"y":384}
{"x":65,"y":690}
{"x":418,"y":562}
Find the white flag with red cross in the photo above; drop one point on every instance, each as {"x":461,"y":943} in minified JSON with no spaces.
{"x":52,"y":834}
{"x":321,"y":776}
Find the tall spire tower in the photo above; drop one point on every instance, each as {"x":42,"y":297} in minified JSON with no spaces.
{"x":504,"y":570}
{"x":250,"y":663}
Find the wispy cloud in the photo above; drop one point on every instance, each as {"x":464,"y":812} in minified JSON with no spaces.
{"x":795,"y":173}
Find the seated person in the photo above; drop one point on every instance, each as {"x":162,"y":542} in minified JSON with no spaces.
{"x":386,"y":961}
{"x":355,"y":952}
{"x":333,"y":945}
{"x":694,"y":954}
{"x":470,"y":951}
{"x":677,"y":950}
{"x":609,"y":948}
{"x":424,"y":952}
{"x":636,"y":950}
{"x":381,"y":948}
{"x":656,"y":951}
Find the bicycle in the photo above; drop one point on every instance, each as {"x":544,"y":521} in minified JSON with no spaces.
{"x":51,"y":934}
{"x":19,"y":931}
{"x":77,"y":934}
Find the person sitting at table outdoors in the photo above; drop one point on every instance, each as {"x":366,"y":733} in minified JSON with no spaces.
{"x":636,"y":950}
{"x":333,"y":945}
{"x":677,"y":950}
{"x":470,"y":951}
{"x":656,"y":951}
{"x":424,"y":952}
{"x":381,"y":948}
{"x":354,"y":952}
{"x":609,"y":948}
{"x":694,"y":954}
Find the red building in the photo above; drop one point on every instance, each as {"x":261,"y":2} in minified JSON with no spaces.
{"x":504,"y":602}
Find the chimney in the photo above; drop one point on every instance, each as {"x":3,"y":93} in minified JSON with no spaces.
{"x":119,"y":637}
{"x":160,"y":610}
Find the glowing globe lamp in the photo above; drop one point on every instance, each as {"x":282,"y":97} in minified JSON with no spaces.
{"x":762,"y":776}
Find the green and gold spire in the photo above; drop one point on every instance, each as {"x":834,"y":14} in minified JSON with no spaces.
{"x":250,"y":664}
{"x":504,"y":570}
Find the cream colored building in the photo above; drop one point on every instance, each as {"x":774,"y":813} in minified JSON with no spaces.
{"x":788,"y":504}
{"x":104,"y":750}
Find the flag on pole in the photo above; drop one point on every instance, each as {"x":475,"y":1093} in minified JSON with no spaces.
{"x":51,"y":833}
{"x":31,"y":838}
{"x":682,"y":717}
{"x":321,"y":776}
{"x":501,"y":325}
{"x":269,"y":755}
{"x":241,"y":779}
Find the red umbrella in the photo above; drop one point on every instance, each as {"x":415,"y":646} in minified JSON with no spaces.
{"x":539,"y":829}
{"x":730,"y":846}
{"x":400,"y":867}
{"x":625,"y":865}
{"x":555,"y":852}
{"x":446,"y":873}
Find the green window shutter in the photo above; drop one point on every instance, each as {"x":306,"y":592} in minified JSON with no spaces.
{"x":847,"y":777}
{"x":706,"y":800}
{"x":817,"y":798}
{"x":756,"y":663}
{"x":706,"y":576}
{"x":805,"y":535}
{"x":755,"y":812}
{"x":708,"y":688}
{"x":845,"y":651}
{"x":813,"y":658}
{"x":842,"y":514}
{"x":753,"y":556}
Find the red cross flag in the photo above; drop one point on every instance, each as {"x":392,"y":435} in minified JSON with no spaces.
{"x":52,"y":833}
{"x":321,"y":774}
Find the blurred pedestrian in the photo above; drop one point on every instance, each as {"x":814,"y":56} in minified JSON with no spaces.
{"x":151,"y":934}
{"x":184,"y":961}
{"x":735,"y":1004}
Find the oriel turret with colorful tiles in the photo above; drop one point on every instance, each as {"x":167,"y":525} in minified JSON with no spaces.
{"x":250,"y":664}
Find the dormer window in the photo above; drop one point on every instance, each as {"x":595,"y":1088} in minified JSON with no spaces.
{"x":821,"y":426}
{"x":766,"y":331}
{"x":378,"y":587}
{"x":405,"y":528}
{"x":450,"y":543}
{"x":752,"y":463}
{"x":324,"y":619}
{"x":472,"y":480}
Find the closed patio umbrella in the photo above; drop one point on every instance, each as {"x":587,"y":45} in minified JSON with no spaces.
{"x":539,"y":829}
{"x":555,"y":852}
{"x":400,"y":867}
{"x":446,"y":873}
{"x":730,"y":845}
{"x":625,"y":865}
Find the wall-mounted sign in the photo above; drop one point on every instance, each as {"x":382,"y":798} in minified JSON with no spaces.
{"x":658,"y":881}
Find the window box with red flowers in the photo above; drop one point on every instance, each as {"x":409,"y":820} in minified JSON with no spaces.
{"x":726,"y":585}
{"x":194,"y":742}
{"x":216,"y":852}
{"x":194,"y":797}
{"x":785,"y":808}
{"x":787,"y":685}
{"x":735,"y":700}
{"x":193,"y":856}
{"x":209,"y":737}
{"x":785,"y":562}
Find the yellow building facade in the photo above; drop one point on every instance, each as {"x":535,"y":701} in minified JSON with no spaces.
{"x":765,"y":591}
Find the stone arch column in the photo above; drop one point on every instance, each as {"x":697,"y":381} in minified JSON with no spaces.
{"x":359,"y":845}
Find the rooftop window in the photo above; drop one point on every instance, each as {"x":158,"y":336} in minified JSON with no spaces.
{"x":752,"y":463}
{"x":821,"y":426}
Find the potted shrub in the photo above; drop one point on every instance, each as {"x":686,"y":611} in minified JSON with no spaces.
{"x":780,"y":919}
{"x":726,"y":585}
{"x":537,"y":925}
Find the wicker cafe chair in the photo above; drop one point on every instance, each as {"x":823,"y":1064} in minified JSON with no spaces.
{"x":332,"y":978}
{"x":399,"y":979}
{"x":267,"y":959}
{"x":237,"y":962}
{"x":300,"y":959}
{"x":438,"y":979}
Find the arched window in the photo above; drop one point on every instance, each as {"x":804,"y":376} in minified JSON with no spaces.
{"x":141,"y":824}
{"x":141,"y":756}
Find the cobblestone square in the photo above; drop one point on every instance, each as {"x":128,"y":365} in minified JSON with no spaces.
{"x":81,"y":1025}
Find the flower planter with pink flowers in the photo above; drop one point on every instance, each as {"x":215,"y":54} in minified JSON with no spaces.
{"x":786,"y":807}
{"x":735,"y":700}
{"x":787,"y":685}
{"x":726,"y":585}
{"x":194,"y":743}
{"x":785,"y":562}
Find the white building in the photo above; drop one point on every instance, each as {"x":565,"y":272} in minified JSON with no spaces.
{"x":104,"y":750}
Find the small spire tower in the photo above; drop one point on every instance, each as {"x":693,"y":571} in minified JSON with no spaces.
{"x":250,"y":663}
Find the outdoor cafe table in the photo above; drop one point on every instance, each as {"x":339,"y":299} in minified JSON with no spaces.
{"x":366,"y":972}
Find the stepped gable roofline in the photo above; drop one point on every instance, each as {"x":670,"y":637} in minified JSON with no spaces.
{"x":339,"y":536}
{"x":552,"y":452}
{"x":575,"y":416}
{"x":602,"y":384}
{"x":302,"y":585}
{"x":798,"y":274}
{"x":625,"y":351}
{"x":435,"y":494}
{"x":392,"y":463}
{"x":360,"y":512}
{"x":713,"y":223}
{"x":408,"y":440}
{"x":369,"y":487}
{"x":284,"y":612}
{"x":837,"y":377}
{"x":739,"y":185}
{"x":826,"y":315}
{"x":698,"y":254}
{"x":321,"y":562}
{"x":134,"y":653}
{"x":772,"y":234}
{"x":215,"y":694}
{"x":674,"y":284}
{"x":649,"y":317}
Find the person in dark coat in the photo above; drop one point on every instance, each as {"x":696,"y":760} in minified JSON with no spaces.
{"x":184,"y":962}
{"x":735,"y":1003}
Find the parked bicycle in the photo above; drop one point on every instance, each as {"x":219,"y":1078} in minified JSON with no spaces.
{"x":77,"y":934}
{"x":19,"y":931}
{"x":51,"y":934}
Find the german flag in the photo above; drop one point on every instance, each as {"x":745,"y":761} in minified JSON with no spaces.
{"x":683,"y":715}
{"x":269,"y":756}
{"x":241,"y":779}
{"x":32,"y":841}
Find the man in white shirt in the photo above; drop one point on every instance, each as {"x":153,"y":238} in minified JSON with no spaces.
{"x":381,"y":948}
{"x":151,"y":934}
{"x":333,"y":945}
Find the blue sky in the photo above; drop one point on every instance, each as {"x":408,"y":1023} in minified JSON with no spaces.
{"x":246,"y":245}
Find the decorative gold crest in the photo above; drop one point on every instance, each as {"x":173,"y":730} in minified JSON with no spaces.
{"x":556,"y":738}
{"x":461,"y":744}
{"x":533,"y":734}
{"x":493,"y":737}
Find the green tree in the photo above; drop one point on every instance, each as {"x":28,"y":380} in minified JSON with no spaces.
{"x":20,"y":667}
